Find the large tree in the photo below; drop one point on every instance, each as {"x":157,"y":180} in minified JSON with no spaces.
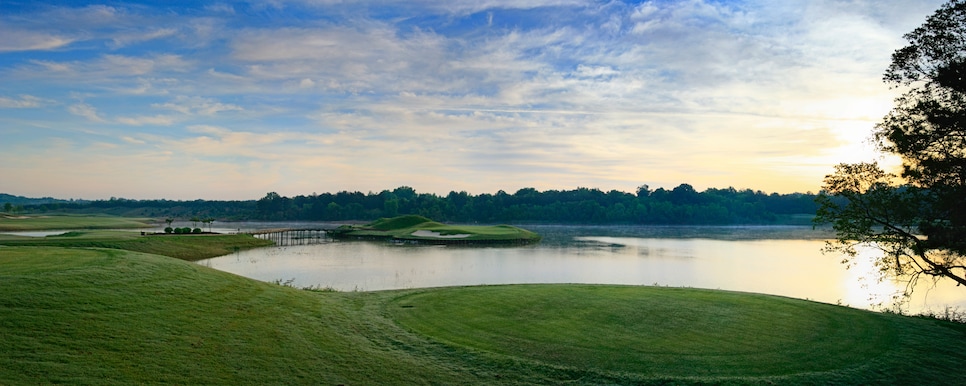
{"x":918,"y":217}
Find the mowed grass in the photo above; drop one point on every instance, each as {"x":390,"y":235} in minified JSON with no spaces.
{"x":98,"y":316}
{"x":107,"y":316}
{"x":11,"y":222}
{"x":654,"y":332}
{"x":185,"y":247}
{"x":403,"y":227}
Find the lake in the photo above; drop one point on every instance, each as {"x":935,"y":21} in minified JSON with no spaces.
{"x":779,"y":260}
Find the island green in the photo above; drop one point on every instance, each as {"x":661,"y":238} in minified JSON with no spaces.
{"x":418,"y":229}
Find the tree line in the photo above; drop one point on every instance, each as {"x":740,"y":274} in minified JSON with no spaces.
{"x":682,"y":205}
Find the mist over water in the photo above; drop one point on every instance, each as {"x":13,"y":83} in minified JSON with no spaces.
{"x":779,"y":260}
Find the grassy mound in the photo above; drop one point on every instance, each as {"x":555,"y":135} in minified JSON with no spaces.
{"x":102,"y":316}
{"x":419,"y":229}
{"x":652,"y":331}
{"x":33,"y":222}
{"x":401,"y":222}
{"x":187,"y":247}
{"x":113,"y":317}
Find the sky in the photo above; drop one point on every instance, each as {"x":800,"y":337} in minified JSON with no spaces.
{"x":231,"y":100}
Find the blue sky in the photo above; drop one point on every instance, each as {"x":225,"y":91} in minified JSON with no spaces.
{"x":230,"y":100}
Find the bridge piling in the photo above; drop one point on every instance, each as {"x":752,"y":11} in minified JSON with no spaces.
{"x":292,"y":236}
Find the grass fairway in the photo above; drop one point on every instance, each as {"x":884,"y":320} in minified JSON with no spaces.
{"x":9,"y":222}
{"x":659,"y":332}
{"x":97,"y":316}
{"x":421,"y":229}
{"x":185,"y":247}
{"x":107,"y":316}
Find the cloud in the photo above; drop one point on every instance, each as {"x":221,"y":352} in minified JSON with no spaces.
{"x":86,"y":111}
{"x":24,"y":101}
{"x":197,"y":106}
{"x":156,"y":120}
{"x":105,"y":68}
{"x":465,"y":95}
{"x":142,"y":36}
{"x":19,"y":40}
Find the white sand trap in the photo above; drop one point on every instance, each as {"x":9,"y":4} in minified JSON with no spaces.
{"x":437,"y":235}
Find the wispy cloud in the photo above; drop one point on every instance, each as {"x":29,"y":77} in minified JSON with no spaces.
{"x":20,"y":102}
{"x":458,"y":95}
{"x":86,"y":111}
{"x":20,"y":40}
{"x":197,"y":106}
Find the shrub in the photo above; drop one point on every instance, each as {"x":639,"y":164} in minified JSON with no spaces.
{"x":177,"y":231}
{"x":168,"y":230}
{"x":196,"y":230}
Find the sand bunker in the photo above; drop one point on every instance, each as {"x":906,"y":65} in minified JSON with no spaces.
{"x":437,"y":235}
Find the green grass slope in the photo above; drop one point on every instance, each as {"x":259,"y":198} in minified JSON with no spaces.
{"x":104,"y":316}
{"x":97,"y":316}
{"x":185,"y":247}
{"x":400,"y":222}
{"x":648,"y":333}
{"x":10,"y":222}
{"x":405,"y":228}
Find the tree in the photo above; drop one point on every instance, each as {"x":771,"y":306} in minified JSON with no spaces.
{"x":208,"y":221}
{"x":919,"y":221}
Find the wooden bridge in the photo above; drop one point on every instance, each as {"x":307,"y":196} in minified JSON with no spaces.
{"x":292,"y":236}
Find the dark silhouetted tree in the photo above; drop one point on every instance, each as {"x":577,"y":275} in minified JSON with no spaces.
{"x":919,"y":221}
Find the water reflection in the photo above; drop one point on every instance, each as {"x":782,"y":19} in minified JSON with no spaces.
{"x":731,"y":261}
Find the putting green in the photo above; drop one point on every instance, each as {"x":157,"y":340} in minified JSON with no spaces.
{"x":662,"y":332}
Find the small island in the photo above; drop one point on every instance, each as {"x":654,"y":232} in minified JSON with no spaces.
{"x":421,"y":230}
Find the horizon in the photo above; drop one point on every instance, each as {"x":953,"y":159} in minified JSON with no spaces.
{"x":376,"y":192}
{"x":233,"y":100}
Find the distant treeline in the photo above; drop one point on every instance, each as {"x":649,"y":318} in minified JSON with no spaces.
{"x":681,"y":205}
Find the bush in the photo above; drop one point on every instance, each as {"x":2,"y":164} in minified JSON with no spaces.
{"x":186,"y":230}
{"x":177,"y":231}
{"x":196,"y":230}
{"x":168,"y":230}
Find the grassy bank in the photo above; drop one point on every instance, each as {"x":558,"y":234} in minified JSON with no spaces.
{"x":420,"y":229}
{"x":12,"y":223}
{"x":185,"y":247}
{"x":108,"y":316}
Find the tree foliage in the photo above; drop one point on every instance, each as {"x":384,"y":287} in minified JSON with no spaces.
{"x":681,"y":205}
{"x":920,"y":224}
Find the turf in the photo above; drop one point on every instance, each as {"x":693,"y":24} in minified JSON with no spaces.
{"x":659,"y":332}
{"x":9,"y":222}
{"x":108,"y":316}
{"x":185,"y":247}
{"x":403,"y":227}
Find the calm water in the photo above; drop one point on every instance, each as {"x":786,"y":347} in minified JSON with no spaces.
{"x":775,"y":260}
